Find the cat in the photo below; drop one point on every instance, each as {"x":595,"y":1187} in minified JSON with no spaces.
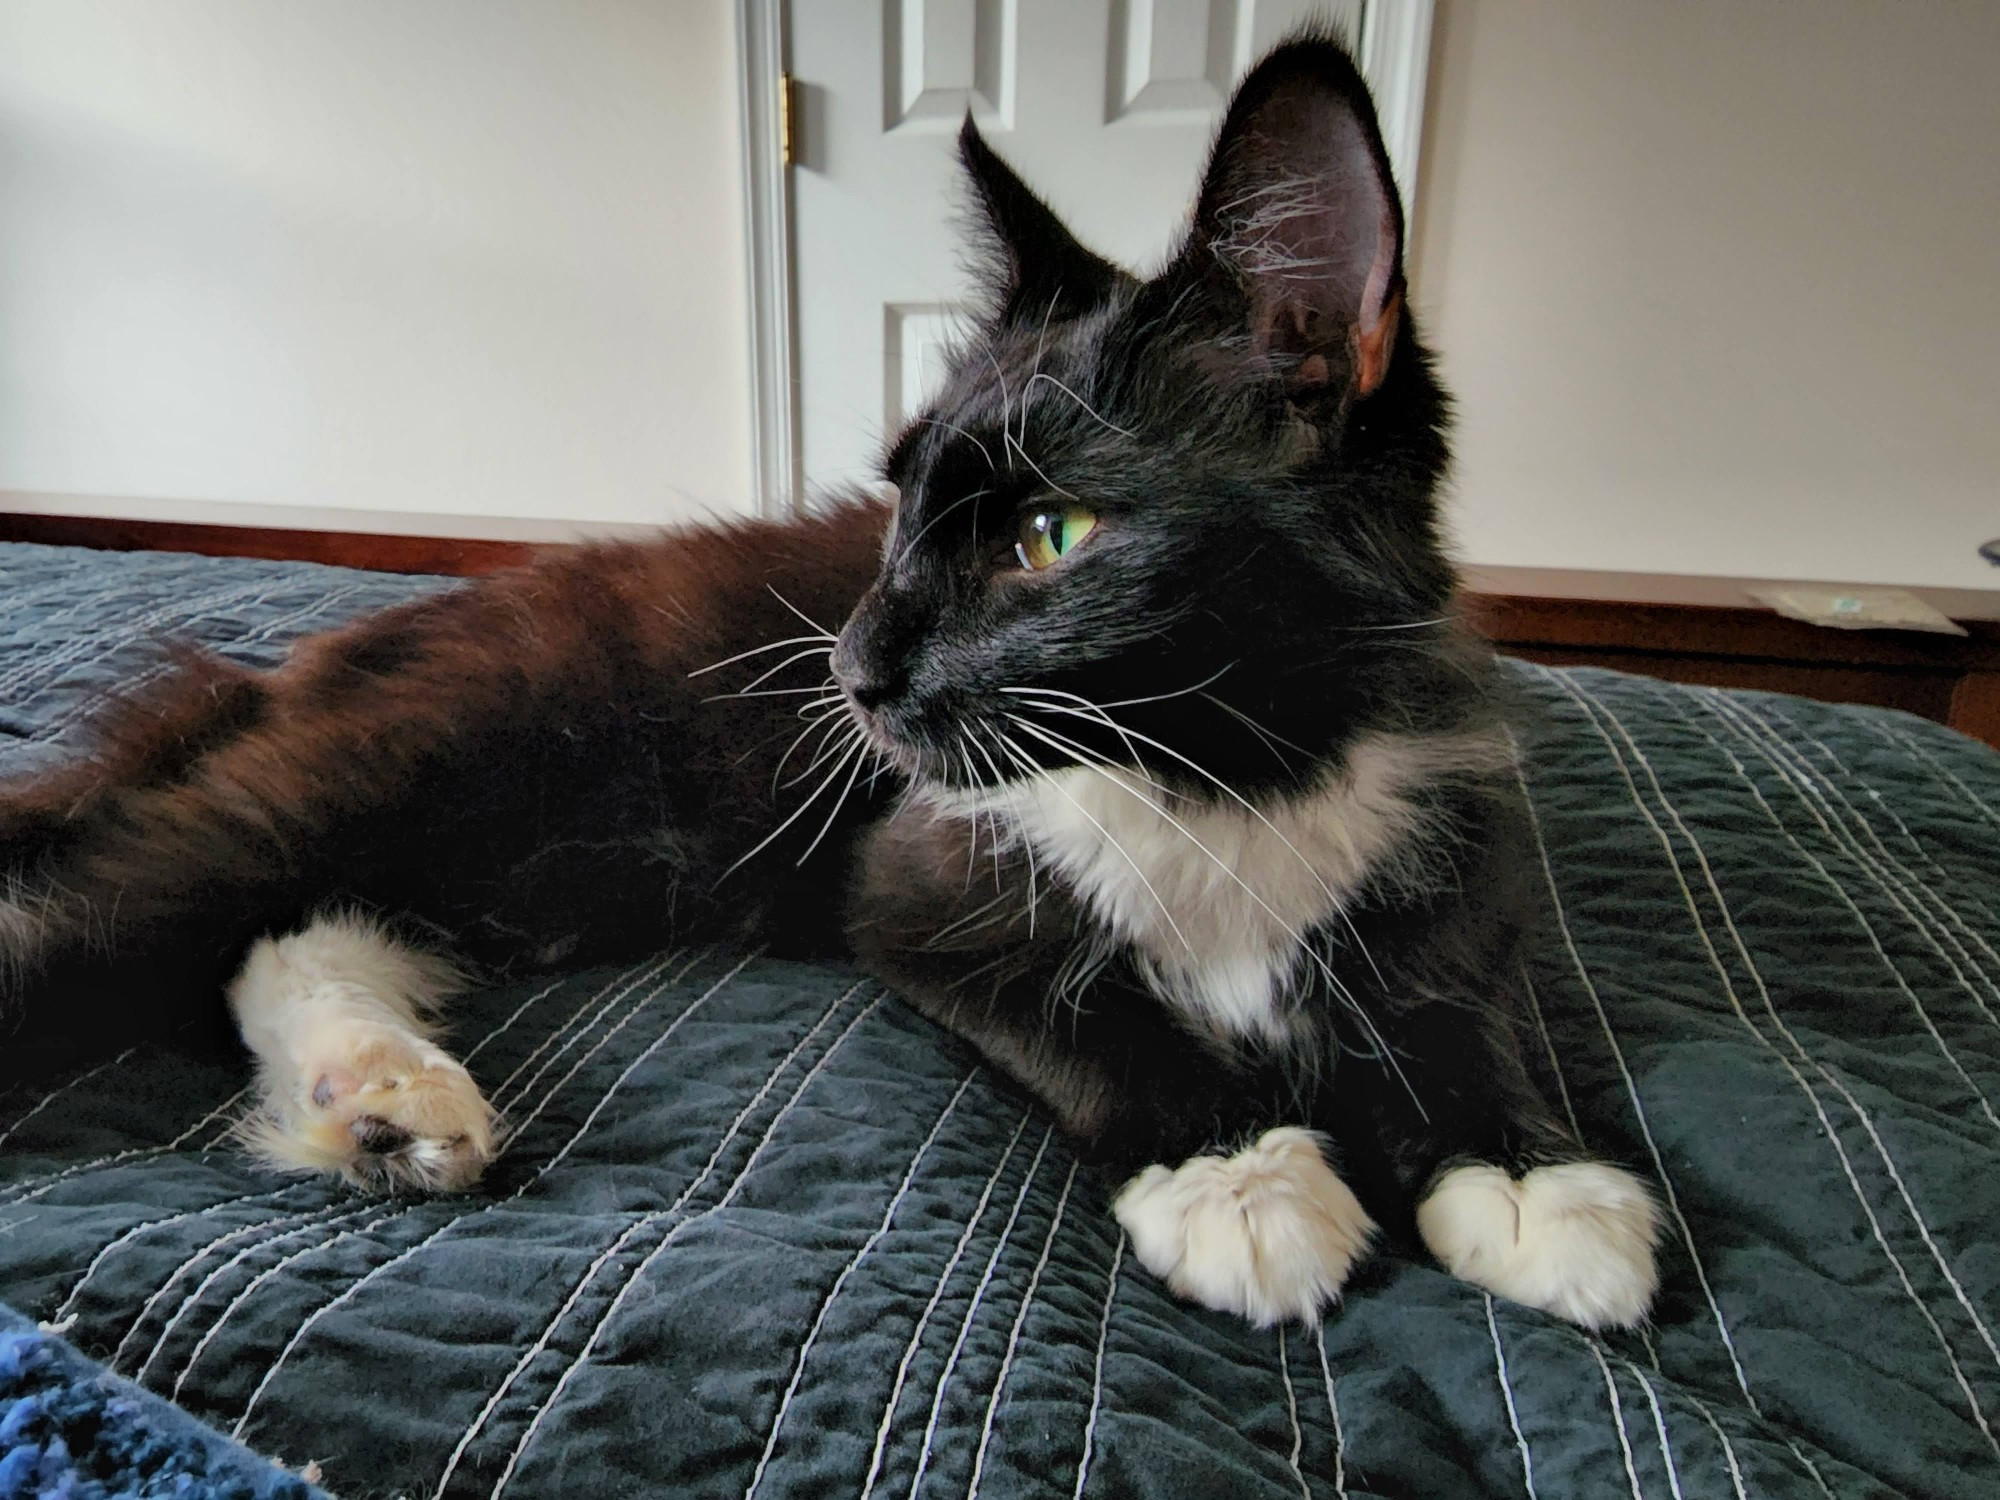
{"x":1135,"y":740}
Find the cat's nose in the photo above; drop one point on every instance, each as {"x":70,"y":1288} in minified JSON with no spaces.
{"x":868,"y":684}
{"x":869,"y":690}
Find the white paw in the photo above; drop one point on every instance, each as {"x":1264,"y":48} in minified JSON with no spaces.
{"x":382,"y":1107}
{"x":337,"y":1015}
{"x":1269,"y":1233}
{"x":1575,"y":1239}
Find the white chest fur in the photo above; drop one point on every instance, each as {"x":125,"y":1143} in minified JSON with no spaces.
{"x":1218,"y":898}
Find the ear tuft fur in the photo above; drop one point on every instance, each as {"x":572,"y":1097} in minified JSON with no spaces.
{"x":1299,"y":210}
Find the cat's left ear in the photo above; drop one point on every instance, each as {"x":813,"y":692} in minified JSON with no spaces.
{"x":1037,"y":269}
{"x":1299,"y":210}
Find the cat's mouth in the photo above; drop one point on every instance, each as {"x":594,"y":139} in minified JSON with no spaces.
{"x":958,"y":768}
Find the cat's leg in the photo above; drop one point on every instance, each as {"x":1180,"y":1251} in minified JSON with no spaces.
{"x":340,"y":1018}
{"x":1226,"y":1196}
{"x":1502,"y":1193}
{"x":1224,"y":1192}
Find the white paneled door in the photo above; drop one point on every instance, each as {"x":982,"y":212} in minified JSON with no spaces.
{"x":1105,"y":106}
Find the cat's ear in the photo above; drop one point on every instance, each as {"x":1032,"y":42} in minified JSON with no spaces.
{"x":1299,"y":211}
{"x":1036,"y":268}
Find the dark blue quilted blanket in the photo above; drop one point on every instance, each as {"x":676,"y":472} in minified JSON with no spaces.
{"x":761,"y":1231}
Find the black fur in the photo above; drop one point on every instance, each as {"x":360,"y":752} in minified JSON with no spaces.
{"x":541,"y":764}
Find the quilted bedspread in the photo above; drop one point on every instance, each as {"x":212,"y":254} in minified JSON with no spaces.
{"x":759,"y":1230}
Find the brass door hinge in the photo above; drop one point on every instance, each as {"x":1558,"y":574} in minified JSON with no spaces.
{"x":785,"y":118}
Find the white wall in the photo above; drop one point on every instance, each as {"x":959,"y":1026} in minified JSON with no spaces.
{"x":467,"y":258}
{"x":1718,"y":283}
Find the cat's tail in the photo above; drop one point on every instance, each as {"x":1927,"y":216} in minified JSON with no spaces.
{"x":110,"y":882}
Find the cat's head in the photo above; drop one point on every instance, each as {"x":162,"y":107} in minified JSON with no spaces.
{"x":1185,"y":521}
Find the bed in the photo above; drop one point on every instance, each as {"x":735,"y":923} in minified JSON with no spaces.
{"x":760,"y":1230}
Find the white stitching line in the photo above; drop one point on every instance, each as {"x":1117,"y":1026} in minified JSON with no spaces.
{"x":1875,"y":942}
{"x":143,"y":1225}
{"x":1549,"y":1046}
{"x":1941,"y":773}
{"x":63,"y":1088}
{"x":307,"y":1326}
{"x":1617,"y":1418}
{"x":1014,"y":1335}
{"x":972,"y":1312}
{"x":507,"y":1025}
{"x":1876,"y":866}
{"x":1778,"y":1022}
{"x":267,"y":1193}
{"x":1507,"y":1394}
{"x":617,"y":1083}
{"x":1097,"y":1386}
{"x":1652,"y":1350}
{"x":100,"y":641}
{"x":301,"y":1221}
{"x":1770,"y":1007}
{"x":1659,"y":1425}
{"x":1833,"y":1081}
{"x":242,"y":1297}
{"x":1631,"y":1088}
{"x":610,"y":1313}
{"x":131,"y":1153}
{"x":1292,"y":1411}
{"x":590,"y":1273}
{"x":888,"y":1216}
{"x":625,"y":984}
{"x":923,"y":1320}
{"x":1729,"y":1449}
{"x":334,"y":1210}
{"x":1921,"y":851}
{"x":48,"y":669}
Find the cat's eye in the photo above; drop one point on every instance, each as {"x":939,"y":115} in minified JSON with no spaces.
{"x":1047,"y":534}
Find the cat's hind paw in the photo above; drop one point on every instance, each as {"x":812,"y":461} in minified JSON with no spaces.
{"x":1269,"y":1233}
{"x":339,"y":1017}
{"x":1575,"y":1239}
{"x":383,"y":1109}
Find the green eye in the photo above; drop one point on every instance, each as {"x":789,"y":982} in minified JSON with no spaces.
{"x":1048,"y":534}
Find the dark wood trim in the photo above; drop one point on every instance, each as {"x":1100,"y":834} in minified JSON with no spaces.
{"x":457,"y":556}
{"x":1975,"y":706}
{"x":1683,"y":628}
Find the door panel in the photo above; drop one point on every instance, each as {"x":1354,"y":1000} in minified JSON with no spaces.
{"x":1104,"y":106}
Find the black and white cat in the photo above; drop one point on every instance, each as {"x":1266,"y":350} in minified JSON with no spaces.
{"x":1150,"y":758}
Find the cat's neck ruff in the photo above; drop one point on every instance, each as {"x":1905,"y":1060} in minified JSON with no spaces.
{"x":1218,"y":900}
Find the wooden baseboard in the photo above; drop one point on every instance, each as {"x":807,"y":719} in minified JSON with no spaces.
{"x":455,"y":556}
{"x":1684,"y":629}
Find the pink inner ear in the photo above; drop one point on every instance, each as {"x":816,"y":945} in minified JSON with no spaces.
{"x":1307,"y":220}
{"x":1381,"y":271}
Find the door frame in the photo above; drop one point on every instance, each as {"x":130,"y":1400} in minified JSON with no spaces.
{"x":1395,"y":56}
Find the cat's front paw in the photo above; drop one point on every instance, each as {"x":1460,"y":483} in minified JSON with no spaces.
{"x":1574,"y":1239}
{"x":1269,"y":1233}
{"x":382,"y":1107}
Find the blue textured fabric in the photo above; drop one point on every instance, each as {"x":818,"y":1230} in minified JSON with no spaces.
{"x":69,"y":1431}
{"x":760,"y":1230}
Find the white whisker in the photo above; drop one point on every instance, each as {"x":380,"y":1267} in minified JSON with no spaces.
{"x":1063,"y":745}
{"x":824,"y":633}
{"x":855,"y":746}
{"x":1089,"y":410}
{"x":757,"y":651}
{"x":1035,"y":772}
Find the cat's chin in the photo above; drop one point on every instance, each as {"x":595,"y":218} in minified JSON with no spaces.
{"x":966,"y":802}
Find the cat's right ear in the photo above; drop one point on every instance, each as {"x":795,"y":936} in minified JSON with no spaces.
{"x":1036,"y":270}
{"x":1299,"y":217}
